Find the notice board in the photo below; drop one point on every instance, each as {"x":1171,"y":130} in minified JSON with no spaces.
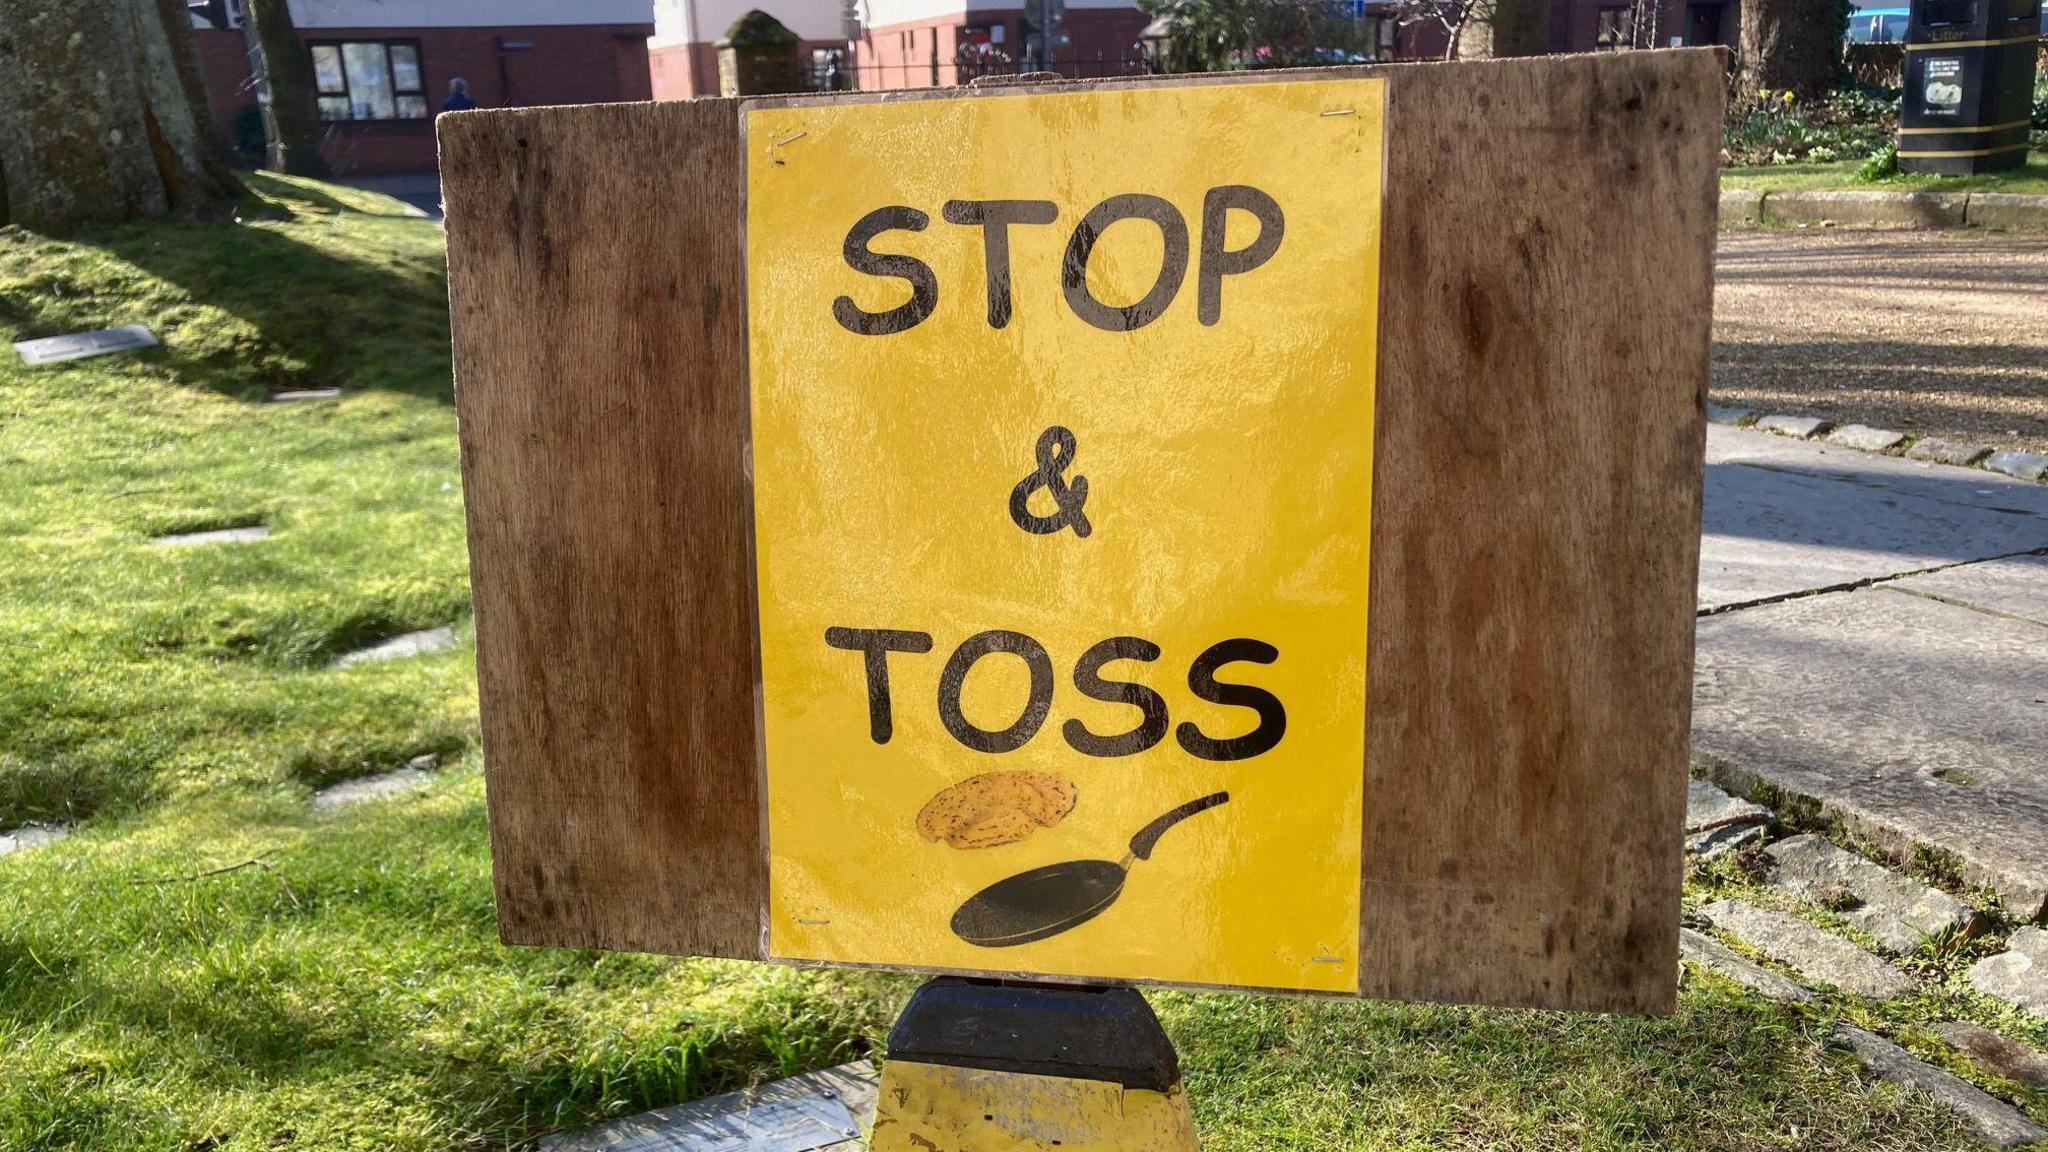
{"x":1281,"y":573}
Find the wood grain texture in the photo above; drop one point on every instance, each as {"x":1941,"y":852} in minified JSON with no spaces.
{"x":1540,"y":435}
{"x":594,"y":271}
{"x":1547,"y":257}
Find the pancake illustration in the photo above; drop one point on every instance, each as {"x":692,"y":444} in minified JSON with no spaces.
{"x":995,"y":808}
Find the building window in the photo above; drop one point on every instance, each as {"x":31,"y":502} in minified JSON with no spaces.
{"x":369,"y":80}
{"x":1616,"y":29}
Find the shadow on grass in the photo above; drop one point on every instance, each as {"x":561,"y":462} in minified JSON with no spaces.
{"x":304,"y":290}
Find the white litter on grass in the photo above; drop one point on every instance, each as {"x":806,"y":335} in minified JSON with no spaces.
{"x":214,"y":536}
{"x":411,"y":644}
{"x":32,"y":836}
{"x":79,"y":345}
{"x":396,"y":783}
{"x":295,"y":394}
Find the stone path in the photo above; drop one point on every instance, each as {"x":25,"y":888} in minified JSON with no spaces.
{"x":1820,"y":875}
{"x":423,"y":643}
{"x":1815,"y":953}
{"x":1993,"y":1120}
{"x":1871,"y":640}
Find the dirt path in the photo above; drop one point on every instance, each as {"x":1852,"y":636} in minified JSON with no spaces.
{"x":1933,"y":333}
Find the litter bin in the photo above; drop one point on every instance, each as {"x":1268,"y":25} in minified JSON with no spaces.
{"x":1969,"y":85}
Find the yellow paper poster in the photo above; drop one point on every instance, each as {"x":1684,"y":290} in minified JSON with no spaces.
{"x":1062,"y":465}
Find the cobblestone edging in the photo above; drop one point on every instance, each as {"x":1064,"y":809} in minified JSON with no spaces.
{"x":1886,"y":209}
{"x":2028,"y":466}
{"x":1834,"y":886}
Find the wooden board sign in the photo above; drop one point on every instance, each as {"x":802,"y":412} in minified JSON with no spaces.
{"x":1062,"y":502}
{"x":1224,"y":531}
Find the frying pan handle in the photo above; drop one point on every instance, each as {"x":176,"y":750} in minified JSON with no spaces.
{"x":1148,"y":836}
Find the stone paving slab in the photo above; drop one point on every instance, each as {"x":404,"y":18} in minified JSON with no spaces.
{"x":297,"y":395}
{"x":1797,"y":427}
{"x":379,"y":787}
{"x":422,"y":643}
{"x":1783,"y":517}
{"x":1815,"y":953}
{"x":2019,"y":975}
{"x":1959,"y":453}
{"x":1996,"y":1054}
{"x":1913,"y":721}
{"x":1900,"y":912}
{"x":1709,"y":953}
{"x":1717,"y":823}
{"x":31,"y":836}
{"x":212,"y":536}
{"x":815,"y":1112}
{"x":1993,"y":1120}
{"x":2020,"y":465}
{"x":1865,"y":438}
{"x":2017,"y":586}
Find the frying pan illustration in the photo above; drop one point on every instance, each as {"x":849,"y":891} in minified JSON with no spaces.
{"x":1049,"y":900}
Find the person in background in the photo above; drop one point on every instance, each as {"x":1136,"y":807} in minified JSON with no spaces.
{"x":458,"y":96}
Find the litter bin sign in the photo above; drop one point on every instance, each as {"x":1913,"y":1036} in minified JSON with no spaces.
{"x":1969,"y":85}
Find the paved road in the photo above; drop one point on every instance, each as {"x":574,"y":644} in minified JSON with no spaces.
{"x":1874,"y":635}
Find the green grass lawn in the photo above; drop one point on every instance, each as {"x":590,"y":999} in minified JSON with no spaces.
{"x":347,"y":990}
{"x":1841,"y":176}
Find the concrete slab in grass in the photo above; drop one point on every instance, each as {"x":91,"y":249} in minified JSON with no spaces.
{"x":1993,"y":1120}
{"x":1797,"y":427}
{"x":379,"y":787}
{"x":1912,"y":721}
{"x":1815,"y":953}
{"x":2015,"y":586}
{"x":1714,"y":956}
{"x":1864,"y":438}
{"x":1956,"y":452}
{"x":1899,"y":911}
{"x":1893,"y":209}
{"x":212,"y":536}
{"x":31,"y":836}
{"x":2008,"y":210}
{"x":815,"y":1112}
{"x":422,"y":643}
{"x":299,"y":395}
{"x":2018,"y":975}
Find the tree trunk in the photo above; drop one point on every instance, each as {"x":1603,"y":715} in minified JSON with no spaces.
{"x":1495,"y":28}
{"x":96,"y":123}
{"x":1791,"y":45}
{"x":291,"y":118}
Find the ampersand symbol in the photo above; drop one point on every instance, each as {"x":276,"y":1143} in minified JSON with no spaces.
{"x":1055,"y":451}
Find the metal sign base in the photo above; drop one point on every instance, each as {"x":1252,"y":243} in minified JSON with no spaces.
{"x":978,"y":1066}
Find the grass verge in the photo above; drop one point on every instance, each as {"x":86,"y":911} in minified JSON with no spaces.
{"x":1840,"y":176}
{"x":209,"y":965}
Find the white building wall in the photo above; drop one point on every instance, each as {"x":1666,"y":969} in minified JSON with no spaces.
{"x":466,"y":13}
{"x":880,"y":13}
{"x":705,"y":21}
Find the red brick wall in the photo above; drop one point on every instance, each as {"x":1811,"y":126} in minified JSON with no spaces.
{"x":568,"y":64}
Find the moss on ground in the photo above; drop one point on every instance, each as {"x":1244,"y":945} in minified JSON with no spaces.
{"x":347,"y":991}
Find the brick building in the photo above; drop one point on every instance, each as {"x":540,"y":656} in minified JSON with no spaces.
{"x":383,"y":66}
{"x":896,"y":43}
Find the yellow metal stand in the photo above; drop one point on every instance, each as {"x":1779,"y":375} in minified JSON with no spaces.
{"x":981,"y":1067}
